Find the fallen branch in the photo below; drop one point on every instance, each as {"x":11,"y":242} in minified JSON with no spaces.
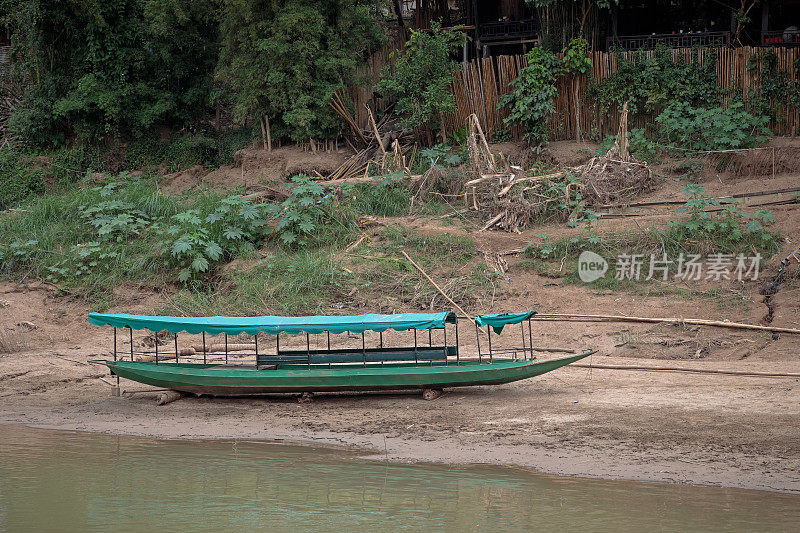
{"x":689,"y":370}
{"x":439,"y":288}
{"x":675,"y":321}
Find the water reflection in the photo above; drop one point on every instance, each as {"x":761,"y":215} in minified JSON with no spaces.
{"x":70,"y":481}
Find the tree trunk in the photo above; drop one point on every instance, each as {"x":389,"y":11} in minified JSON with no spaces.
{"x":398,"y":12}
{"x":269,"y":136}
{"x":577,"y":84}
{"x":263,"y":134}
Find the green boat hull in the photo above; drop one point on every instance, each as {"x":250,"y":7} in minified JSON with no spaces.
{"x":219,"y":380}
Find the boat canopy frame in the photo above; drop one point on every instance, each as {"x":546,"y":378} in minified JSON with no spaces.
{"x":309,"y":325}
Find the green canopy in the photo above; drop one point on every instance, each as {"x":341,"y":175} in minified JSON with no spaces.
{"x":276,"y":324}
{"x":498,"y":321}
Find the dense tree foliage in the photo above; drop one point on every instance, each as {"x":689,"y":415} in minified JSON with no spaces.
{"x":285,"y":58}
{"x":96,"y":68}
{"x":93,"y":68}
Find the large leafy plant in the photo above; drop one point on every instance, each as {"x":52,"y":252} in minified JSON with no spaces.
{"x":531,"y":100}
{"x":648,"y":82}
{"x":700,"y":128}
{"x":724,"y":224}
{"x":197,"y":241}
{"x":300,"y":215}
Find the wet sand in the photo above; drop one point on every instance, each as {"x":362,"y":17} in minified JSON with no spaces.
{"x":656,"y":426}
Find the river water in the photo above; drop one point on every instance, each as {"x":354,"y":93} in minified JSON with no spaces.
{"x":73,"y":481}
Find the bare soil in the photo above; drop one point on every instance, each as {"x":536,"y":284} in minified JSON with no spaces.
{"x":661,"y":426}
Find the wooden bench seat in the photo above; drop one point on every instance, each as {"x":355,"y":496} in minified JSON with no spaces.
{"x":357,"y":355}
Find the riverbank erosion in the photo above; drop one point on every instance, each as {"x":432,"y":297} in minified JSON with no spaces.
{"x":721,"y":430}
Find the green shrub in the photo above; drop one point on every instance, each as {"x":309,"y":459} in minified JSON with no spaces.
{"x":199,"y":239}
{"x":648,"y":82}
{"x":638,"y":144}
{"x":20,"y":178}
{"x":722,"y":225}
{"x":699,"y":128}
{"x":531,"y":101}
{"x":421,"y":77}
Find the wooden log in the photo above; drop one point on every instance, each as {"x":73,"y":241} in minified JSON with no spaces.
{"x":494,"y":220}
{"x":508,"y":187}
{"x":168,"y":397}
{"x":375,"y":129}
{"x":675,"y":321}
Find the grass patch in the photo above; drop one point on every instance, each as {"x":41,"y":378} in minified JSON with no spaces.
{"x":322,"y":281}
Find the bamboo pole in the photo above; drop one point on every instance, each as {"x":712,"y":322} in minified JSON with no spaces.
{"x":689,"y":370}
{"x":675,"y":321}
{"x":438,"y":288}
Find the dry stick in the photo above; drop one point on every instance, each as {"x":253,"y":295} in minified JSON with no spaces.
{"x":676,"y":321}
{"x":439,"y":288}
{"x":375,"y":129}
{"x":689,"y":370}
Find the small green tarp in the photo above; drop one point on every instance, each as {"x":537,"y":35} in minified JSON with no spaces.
{"x":500,"y":320}
{"x":276,"y":324}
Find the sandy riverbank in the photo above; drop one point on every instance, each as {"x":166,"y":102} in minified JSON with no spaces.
{"x":672,"y":427}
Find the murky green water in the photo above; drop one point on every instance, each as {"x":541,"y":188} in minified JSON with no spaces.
{"x":71,"y":481}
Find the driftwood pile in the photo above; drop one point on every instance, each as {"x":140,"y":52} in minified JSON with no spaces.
{"x":516,"y":198}
{"x":384,"y":144}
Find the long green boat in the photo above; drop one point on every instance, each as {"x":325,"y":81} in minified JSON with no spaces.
{"x":235,"y":369}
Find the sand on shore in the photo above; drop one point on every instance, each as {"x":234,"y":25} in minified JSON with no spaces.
{"x":657,"y":426}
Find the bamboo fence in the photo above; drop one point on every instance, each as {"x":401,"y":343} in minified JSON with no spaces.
{"x":480,"y":85}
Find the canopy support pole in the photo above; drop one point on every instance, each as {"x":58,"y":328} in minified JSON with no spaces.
{"x":308,"y":349}
{"x":329,"y":341}
{"x":131,"y":331}
{"x":478,"y":340}
{"x":380,"y":334}
{"x":445,"y":344}
{"x":115,"y":352}
{"x":430,"y":338}
{"x":489,"y":334}
{"x":364,"y":348}
{"x":155,"y":341}
{"x":522,"y":327}
{"x":226,"y":348}
{"x":530,"y":336}
{"x":175,"y":338}
{"x":255,"y":341}
{"x":457,"y":358}
{"x":416,"y":352}
{"x":204,"y":349}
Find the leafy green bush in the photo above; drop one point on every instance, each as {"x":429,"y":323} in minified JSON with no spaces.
{"x":421,"y":76}
{"x":531,"y":100}
{"x":777,"y":86}
{"x":700,"y":128}
{"x":638,"y":144}
{"x":300,"y":215}
{"x":199,"y":240}
{"x":648,"y":82}
{"x":284,"y":60}
{"x":96,"y":68}
{"x":19,"y":178}
{"x":727,"y":228}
